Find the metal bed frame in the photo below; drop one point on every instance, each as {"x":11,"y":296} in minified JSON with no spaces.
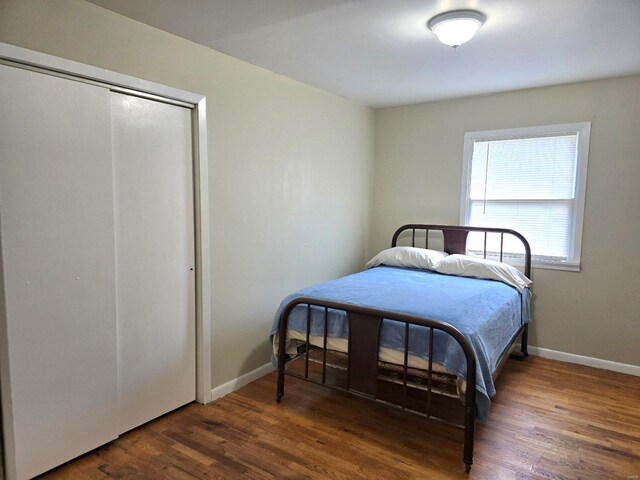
{"x":364,"y":335}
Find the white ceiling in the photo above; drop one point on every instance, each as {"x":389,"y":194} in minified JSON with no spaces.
{"x":380,"y":53}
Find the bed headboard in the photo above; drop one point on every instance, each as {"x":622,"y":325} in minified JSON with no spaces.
{"x":455,"y":239}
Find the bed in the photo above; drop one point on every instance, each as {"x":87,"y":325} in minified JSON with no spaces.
{"x":408,"y":336}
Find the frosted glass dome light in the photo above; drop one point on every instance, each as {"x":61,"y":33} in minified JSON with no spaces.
{"x":456,"y":27}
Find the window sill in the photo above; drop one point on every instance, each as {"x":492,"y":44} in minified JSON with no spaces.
{"x":566,"y":266}
{"x":517,"y":260}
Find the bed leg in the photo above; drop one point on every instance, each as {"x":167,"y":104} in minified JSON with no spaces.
{"x":468,"y":441}
{"x":280,"y":388}
{"x":468,"y":437}
{"x":524,"y":344}
{"x":525,"y":341}
{"x":282,"y":354}
{"x":470,"y":406}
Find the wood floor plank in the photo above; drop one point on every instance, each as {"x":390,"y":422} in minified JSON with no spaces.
{"x":549,"y":420}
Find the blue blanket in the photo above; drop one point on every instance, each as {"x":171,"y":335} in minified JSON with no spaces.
{"x":487,"y":312}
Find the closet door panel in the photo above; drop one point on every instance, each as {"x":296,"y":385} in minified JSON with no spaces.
{"x":155,"y":286}
{"x":59,"y":375}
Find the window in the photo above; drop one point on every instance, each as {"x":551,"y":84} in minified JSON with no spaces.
{"x":531,"y":180}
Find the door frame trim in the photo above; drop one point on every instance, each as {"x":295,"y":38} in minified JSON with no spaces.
{"x":49,"y":64}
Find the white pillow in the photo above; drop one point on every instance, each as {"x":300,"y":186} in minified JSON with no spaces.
{"x":411,"y":257}
{"x":466,"y":266}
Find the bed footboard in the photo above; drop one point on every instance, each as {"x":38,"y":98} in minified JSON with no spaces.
{"x":362,"y":364}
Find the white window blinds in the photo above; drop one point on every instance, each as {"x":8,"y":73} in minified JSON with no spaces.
{"x":526,"y":182}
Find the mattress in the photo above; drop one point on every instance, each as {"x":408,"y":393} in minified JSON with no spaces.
{"x":389,"y":355}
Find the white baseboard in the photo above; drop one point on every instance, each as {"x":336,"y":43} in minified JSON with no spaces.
{"x":235,"y":384}
{"x":582,"y":360}
{"x":266,"y":369}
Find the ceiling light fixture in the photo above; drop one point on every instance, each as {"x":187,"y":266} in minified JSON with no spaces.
{"x":456,"y":27}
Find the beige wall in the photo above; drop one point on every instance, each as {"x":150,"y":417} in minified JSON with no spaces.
{"x":290,"y":166}
{"x":418,"y":167}
{"x":291,"y":175}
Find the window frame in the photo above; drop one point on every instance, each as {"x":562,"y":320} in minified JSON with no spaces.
{"x":583,"y":131}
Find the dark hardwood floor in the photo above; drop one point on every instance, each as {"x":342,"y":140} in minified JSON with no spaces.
{"x":549,"y":420}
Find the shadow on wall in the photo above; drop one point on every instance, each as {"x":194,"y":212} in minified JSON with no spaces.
{"x":256,"y":358}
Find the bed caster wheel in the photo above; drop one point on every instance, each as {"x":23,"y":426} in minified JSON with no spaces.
{"x":467,"y":467}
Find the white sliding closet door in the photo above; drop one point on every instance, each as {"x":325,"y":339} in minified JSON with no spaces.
{"x":59,"y":375}
{"x":155,"y":248}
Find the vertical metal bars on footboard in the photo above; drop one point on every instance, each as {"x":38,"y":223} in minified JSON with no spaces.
{"x":364,"y":344}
